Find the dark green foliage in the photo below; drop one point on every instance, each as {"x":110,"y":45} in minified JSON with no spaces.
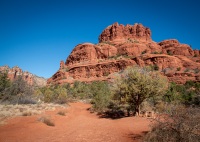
{"x":169,"y":52}
{"x":4,"y":85}
{"x":188,"y":94}
{"x":101,"y":95}
{"x":155,"y":52}
{"x":143,"y":52}
{"x":154,"y":67}
{"x":80,"y":90}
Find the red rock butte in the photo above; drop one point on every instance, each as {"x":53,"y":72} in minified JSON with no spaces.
{"x":30,"y":78}
{"x":122,"y":46}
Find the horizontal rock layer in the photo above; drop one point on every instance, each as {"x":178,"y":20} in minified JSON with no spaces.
{"x":122,"y":46}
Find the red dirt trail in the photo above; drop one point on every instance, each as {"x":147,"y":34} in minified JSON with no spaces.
{"x":79,"y":125}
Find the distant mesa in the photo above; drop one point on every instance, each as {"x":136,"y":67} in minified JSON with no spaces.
{"x":15,"y":72}
{"x":122,"y":46}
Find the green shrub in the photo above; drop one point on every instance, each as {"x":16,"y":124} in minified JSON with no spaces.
{"x":155,"y":52}
{"x":101,"y":96}
{"x":4,"y":85}
{"x":136,"y":85}
{"x":187,"y":94}
{"x":169,"y":52}
{"x":143,"y":52}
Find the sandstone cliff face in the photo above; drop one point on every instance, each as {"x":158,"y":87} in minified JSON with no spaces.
{"x":31,"y":79}
{"x":119,"y":33}
{"x":122,"y":46}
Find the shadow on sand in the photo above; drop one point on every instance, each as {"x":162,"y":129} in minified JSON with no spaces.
{"x":137,"y":137}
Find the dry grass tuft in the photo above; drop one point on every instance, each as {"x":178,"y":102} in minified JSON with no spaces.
{"x":28,"y":113}
{"x":46,"y":120}
{"x":61,"y":113}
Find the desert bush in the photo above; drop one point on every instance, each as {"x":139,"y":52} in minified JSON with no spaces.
{"x":60,"y":95}
{"x":46,"y":120}
{"x":28,"y":113}
{"x":4,"y":85}
{"x":61,"y":113}
{"x":55,"y":94}
{"x":155,"y":52}
{"x":177,"y":124}
{"x":20,"y":92}
{"x":101,"y":95}
{"x":80,"y":90}
{"x":145,"y":51}
{"x":169,"y":52}
{"x":187,"y":94}
{"x":136,"y":84}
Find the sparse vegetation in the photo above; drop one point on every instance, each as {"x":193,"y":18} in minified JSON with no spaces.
{"x":66,"y":69}
{"x":195,"y":55}
{"x":196,"y":70}
{"x":179,"y":125}
{"x":154,"y":67}
{"x":61,"y":113}
{"x":178,"y":69}
{"x":46,"y":120}
{"x":186,"y":70}
{"x":169,"y":52}
{"x":143,"y":52}
{"x":28,"y":113}
{"x":155,"y":52}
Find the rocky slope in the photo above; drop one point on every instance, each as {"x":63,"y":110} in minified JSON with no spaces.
{"x":122,"y":46}
{"x":31,"y":79}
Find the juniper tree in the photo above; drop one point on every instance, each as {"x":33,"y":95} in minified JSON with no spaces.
{"x":136,"y":84}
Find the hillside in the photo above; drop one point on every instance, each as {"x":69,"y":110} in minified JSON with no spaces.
{"x":122,"y":46}
{"x":30,"y":78}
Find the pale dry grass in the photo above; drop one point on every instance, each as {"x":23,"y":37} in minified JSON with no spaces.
{"x":47,"y":120}
{"x":8,"y":111}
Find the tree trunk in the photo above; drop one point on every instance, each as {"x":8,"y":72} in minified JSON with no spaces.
{"x":137,"y":110}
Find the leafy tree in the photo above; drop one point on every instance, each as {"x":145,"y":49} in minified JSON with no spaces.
{"x":20,"y":92}
{"x":4,"y":84}
{"x":136,"y":84}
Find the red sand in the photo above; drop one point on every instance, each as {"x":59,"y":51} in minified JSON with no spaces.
{"x":79,"y":125}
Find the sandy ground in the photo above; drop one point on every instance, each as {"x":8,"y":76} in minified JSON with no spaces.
{"x":78,"y":125}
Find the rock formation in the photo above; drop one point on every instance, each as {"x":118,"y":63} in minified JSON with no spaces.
{"x":31,"y":79}
{"x":122,"y":46}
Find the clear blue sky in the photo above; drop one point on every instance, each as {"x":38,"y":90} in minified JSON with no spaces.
{"x":37,"y":34}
